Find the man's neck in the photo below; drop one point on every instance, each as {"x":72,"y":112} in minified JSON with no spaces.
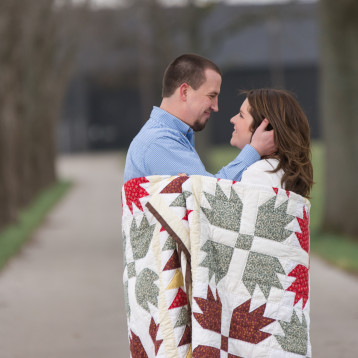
{"x":168,"y":106}
{"x":173,"y":108}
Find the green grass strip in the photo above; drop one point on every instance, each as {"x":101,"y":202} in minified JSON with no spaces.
{"x":339,"y":250}
{"x":317,"y":194}
{"x":15,"y":235}
{"x":221,"y":155}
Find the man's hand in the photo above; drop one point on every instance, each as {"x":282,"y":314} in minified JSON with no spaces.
{"x":263,"y":140}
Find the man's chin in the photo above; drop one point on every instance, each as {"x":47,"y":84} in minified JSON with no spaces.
{"x":198,"y":126}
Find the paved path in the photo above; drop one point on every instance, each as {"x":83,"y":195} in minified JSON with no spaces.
{"x":334,"y":312}
{"x":62,"y":297}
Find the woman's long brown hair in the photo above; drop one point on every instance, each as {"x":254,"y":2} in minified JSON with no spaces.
{"x":291,"y":133}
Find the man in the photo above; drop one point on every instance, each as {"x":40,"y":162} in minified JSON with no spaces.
{"x":165,"y":144}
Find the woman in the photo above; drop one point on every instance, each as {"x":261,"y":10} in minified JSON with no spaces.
{"x":290,"y":167}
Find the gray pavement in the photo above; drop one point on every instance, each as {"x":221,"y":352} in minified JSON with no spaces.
{"x":62,"y":295}
{"x":334,"y":312}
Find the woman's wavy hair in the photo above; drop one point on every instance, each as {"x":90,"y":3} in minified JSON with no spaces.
{"x":291,"y":134}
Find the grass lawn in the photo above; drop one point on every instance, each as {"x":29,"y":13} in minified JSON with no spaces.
{"x":339,"y":250}
{"x":12,"y":237}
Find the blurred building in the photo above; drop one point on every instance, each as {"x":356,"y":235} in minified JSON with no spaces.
{"x":262,"y":46}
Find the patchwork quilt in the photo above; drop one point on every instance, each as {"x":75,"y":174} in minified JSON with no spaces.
{"x":215,"y":268}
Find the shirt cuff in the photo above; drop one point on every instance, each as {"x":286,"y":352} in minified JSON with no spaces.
{"x":249,"y":155}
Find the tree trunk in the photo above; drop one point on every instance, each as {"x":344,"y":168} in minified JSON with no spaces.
{"x":34,"y":62}
{"x":340,"y":114}
{"x":10,"y":58}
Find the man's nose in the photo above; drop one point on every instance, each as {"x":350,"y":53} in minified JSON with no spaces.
{"x":215,"y":105}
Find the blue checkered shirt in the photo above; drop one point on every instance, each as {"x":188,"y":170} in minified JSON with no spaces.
{"x":165,"y":146}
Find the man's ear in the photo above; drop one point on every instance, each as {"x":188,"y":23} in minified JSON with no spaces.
{"x":183,"y":91}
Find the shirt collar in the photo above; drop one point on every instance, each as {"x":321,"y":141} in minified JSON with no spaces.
{"x":171,"y":121}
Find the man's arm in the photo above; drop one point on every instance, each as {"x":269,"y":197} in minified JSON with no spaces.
{"x":235,"y":169}
{"x":171,"y":156}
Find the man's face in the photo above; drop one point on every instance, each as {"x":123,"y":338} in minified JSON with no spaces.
{"x":204,"y":100}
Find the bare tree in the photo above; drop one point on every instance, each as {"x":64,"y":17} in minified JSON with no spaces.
{"x":35,"y":58}
{"x":154,"y":49}
{"x":339,"y":34}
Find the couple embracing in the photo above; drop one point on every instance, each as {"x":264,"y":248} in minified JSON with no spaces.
{"x":217,"y":268}
{"x":279,"y":157}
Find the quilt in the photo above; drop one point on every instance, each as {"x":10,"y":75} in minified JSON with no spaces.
{"x":215,"y":268}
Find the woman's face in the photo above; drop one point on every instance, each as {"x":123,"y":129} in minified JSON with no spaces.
{"x":242,"y":123}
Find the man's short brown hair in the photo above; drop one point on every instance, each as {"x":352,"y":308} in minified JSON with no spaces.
{"x":187,"y":68}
